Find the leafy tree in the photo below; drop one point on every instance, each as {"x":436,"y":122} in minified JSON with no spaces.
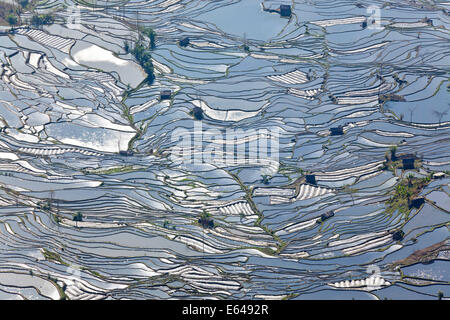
{"x":12,"y":19}
{"x":23,"y":3}
{"x":393,"y":150}
{"x":205,"y":215}
{"x":205,"y":220}
{"x":36,"y":20}
{"x":145,"y":60}
{"x":78,"y":217}
{"x":151,"y":34}
{"x":43,"y":19}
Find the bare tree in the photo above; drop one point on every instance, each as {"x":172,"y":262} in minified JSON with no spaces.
{"x":245,"y":42}
{"x":138,"y":26}
{"x":351,"y":191}
{"x":52,"y":195}
{"x":440,"y":114}
{"x":411,"y":111}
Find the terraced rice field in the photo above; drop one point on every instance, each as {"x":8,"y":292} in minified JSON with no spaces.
{"x":73,"y":102}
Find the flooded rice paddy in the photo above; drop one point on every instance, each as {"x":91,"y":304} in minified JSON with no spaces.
{"x":72,"y":99}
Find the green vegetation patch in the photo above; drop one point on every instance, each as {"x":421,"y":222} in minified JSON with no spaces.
{"x":404,"y":192}
{"x":142,"y":52}
{"x":9,"y":13}
{"x":41,"y":19}
{"x":53,"y":256}
{"x":112,"y":170}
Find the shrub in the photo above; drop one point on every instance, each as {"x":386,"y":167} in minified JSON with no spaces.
{"x":12,"y":19}
{"x":43,"y":19}
{"x":78,"y":217}
{"x":151,"y":34}
{"x":197,"y":112}
{"x":23,"y":3}
{"x":393,"y":150}
{"x":6,"y":9}
{"x":144,"y":58}
{"x":206,"y":221}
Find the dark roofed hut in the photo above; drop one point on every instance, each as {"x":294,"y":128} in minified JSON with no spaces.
{"x":197,"y":112}
{"x":311,"y":179}
{"x":416,"y":202}
{"x":206,"y":223}
{"x":184,"y":42}
{"x":398,"y":235}
{"x":285,"y":10}
{"x":165,"y":95}
{"x":337,"y":131}
{"x":408,"y":163}
{"x":407,"y":160}
{"x":126,"y":153}
{"x":325,"y":216}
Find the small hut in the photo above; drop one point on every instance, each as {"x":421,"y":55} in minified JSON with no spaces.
{"x":311,"y":179}
{"x":416,"y":202}
{"x":337,"y":131}
{"x":407,"y":160}
{"x":184,"y":42}
{"x":398,"y":235}
{"x":326,"y":215}
{"x":126,"y":153}
{"x":408,"y":163}
{"x":285,"y":10}
{"x":166,"y":95}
